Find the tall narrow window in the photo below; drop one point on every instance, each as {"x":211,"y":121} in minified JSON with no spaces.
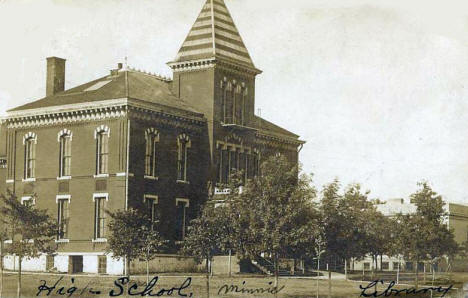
{"x":219,"y":152}
{"x":228,"y":119}
{"x":65,"y":155}
{"x":242,"y":164}
{"x":256,"y":164}
{"x":238,"y":105}
{"x":223,"y":85}
{"x":225,"y":166}
{"x":102,"y":150}
{"x":152,"y":137}
{"x":151,"y":207}
{"x":244,"y":104}
{"x":29,"y":156}
{"x":233,"y":162}
{"x":181,"y":218}
{"x":62,"y":219}
{"x":183,"y":143}
{"x":99,"y":217}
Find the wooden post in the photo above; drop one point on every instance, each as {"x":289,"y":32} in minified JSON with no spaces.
{"x":318,"y":274}
{"x":346,"y":269}
{"x":18,"y":289}
{"x":208,"y":278}
{"x":230,"y":267}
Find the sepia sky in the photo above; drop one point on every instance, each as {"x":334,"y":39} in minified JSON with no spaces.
{"x":378,"y":89}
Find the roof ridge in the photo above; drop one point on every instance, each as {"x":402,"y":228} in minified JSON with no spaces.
{"x":151,"y":74}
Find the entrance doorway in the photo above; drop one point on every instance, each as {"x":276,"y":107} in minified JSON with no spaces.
{"x":75,"y":264}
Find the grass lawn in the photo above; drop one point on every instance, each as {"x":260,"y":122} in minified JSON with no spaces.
{"x":293,"y":287}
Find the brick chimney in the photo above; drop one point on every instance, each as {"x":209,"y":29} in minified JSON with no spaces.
{"x":55,"y":75}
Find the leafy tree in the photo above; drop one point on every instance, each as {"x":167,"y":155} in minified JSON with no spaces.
{"x":423,"y":235}
{"x":275,"y":213}
{"x":30,"y":229}
{"x":132,"y":236}
{"x":151,"y":244}
{"x":204,"y":238}
{"x":3,"y":237}
{"x":344,"y":219}
{"x":378,"y":235}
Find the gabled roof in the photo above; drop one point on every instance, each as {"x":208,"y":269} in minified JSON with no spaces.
{"x":267,"y":127}
{"x":121,"y":84}
{"x":214,"y":35}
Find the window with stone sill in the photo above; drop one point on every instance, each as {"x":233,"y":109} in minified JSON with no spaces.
{"x":63,"y":218}
{"x":151,"y":140}
{"x":65,"y":154}
{"x":99,"y":218}
{"x":102,"y":150}
{"x":29,"y":141}
{"x":183,"y":144}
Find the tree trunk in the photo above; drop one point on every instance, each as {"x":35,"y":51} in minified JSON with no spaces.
{"x":346,"y":269}
{"x":417,"y":273}
{"x":147,"y":270}
{"x":207,"y":277}
{"x":127,"y":273}
{"x":398,"y":271}
{"x":18,"y":289}
{"x":318,"y":274}
{"x":424,"y":274}
{"x":276,"y":273}
{"x":1,"y":267}
{"x":329,"y":283}
{"x":381,"y":257}
{"x":276,"y":270}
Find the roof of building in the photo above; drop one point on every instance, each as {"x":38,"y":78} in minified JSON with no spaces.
{"x":393,"y":207}
{"x":270,"y":128}
{"x":214,"y":35}
{"x":119,"y":84}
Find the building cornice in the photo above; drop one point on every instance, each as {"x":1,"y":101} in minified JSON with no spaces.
{"x":200,"y":64}
{"x":275,"y":142}
{"x":100,"y":110}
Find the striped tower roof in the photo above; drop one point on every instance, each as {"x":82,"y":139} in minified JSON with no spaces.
{"x":214,"y":35}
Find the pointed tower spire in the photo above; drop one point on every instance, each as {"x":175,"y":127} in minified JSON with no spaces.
{"x":214,"y":35}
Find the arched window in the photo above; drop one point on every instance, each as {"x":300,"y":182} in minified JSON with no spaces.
{"x":183,"y":143}
{"x":64,"y":138}
{"x":151,"y":138}
{"x":29,"y":141}
{"x":229,"y":104}
{"x":181,"y":218}
{"x":238,"y":105}
{"x":102,"y":149}
{"x":223,"y":85}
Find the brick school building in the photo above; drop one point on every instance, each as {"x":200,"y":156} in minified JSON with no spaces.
{"x":133,"y":139}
